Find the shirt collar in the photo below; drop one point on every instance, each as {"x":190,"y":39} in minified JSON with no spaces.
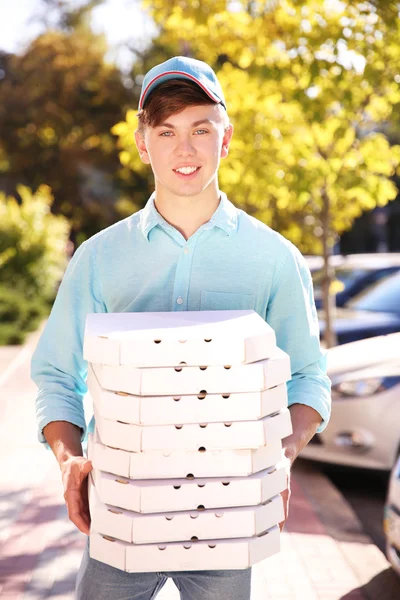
{"x":225,"y":217}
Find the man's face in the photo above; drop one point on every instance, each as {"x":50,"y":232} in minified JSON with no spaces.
{"x":185,"y":151}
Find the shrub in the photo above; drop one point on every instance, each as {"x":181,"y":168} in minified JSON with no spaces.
{"x":32,"y":243}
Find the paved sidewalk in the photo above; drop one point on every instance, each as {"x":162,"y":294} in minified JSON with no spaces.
{"x":325,"y":553}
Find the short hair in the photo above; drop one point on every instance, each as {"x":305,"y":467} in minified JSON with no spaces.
{"x":172,"y":97}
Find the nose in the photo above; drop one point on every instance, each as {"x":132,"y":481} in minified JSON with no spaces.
{"x":185,"y":146}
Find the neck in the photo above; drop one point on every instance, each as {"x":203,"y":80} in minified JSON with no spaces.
{"x":187,"y":213}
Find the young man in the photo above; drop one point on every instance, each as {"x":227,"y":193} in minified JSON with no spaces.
{"x":188,"y":249}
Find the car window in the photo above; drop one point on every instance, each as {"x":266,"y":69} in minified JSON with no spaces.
{"x":383,"y":295}
{"x":345,"y":275}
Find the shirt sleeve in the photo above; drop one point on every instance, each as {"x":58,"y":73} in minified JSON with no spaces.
{"x":292,"y":314}
{"x":57,"y":367}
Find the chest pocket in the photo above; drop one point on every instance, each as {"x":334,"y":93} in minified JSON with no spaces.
{"x":226,"y":301}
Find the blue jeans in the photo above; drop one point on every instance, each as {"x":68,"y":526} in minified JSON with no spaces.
{"x":98,"y":581}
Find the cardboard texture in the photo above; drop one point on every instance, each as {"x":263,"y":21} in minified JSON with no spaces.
{"x":212,"y":436}
{"x":196,"y":380}
{"x":224,"y":523}
{"x":204,"y":555}
{"x":201,"y":408}
{"x":172,"y":495}
{"x":166,"y":339}
{"x":164,"y":464}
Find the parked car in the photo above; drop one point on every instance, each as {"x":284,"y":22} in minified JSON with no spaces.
{"x":364,"y":428}
{"x":391,"y":523}
{"x":354,"y":273}
{"x":373,"y":312}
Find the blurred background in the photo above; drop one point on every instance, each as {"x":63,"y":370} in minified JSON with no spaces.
{"x":313,"y":91}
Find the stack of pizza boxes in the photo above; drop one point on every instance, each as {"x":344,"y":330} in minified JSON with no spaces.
{"x":190,"y":411}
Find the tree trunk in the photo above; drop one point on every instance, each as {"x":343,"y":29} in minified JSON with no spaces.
{"x":328,"y":300}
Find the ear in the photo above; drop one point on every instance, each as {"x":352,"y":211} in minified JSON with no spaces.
{"x":141,"y":146}
{"x":226,"y":140}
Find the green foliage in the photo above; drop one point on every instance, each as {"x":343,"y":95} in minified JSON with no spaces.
{"x":308,"y":85}
{"x":58,"y":102}
{"x":33,"y":244}
{"x":18,"y":315}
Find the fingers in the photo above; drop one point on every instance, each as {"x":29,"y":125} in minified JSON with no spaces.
{"x":76,"y":492}
{"x":78,"y":510}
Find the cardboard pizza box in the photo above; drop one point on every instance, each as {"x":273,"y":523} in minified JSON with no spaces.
{"x":212,"y":436}
{"x":165,"y":339}
{"x":172,"y":495}
{"x":206,"y":555}
{"x":179,"y":464}
{"x":223,"y":523}
{"x":164,"y":381}
{"x":168,"y":410}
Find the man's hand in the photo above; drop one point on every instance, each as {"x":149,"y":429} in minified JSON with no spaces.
{"x":74,"y":473}
{"x":305,"y":422}
{"x":65,"y":440}
{"x":286,"y":497}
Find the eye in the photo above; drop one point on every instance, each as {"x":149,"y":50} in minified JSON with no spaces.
{"x":165,"y":134}
{"x":201,"y":131}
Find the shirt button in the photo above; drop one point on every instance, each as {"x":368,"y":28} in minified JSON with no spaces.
{"x":186,"y":250}
{"x":179,"y":300}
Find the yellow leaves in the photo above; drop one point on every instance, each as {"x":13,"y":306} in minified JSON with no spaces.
{"x":120,"y":128}
{"x":132,"y":119}
{"x":47,"y":135}
{"x":124,"y":157}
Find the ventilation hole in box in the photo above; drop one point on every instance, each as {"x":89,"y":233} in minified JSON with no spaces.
{"x":187,"y":546}
{"x":190,"y":476}
{"x":157,"y":341}
{"x":122,"y":394}
{"x":194,"y":516}
{"x":161,"y":547}
{"x":225,"y":482}
{"x":262,"y":534}
{"x":201,"y":484}
{"x":169,"y":518}
{"x":201,"y":507}
{"x":122,"y":481}
{"x":182,"y":341}
{"x":115,"y":512}
{"x":108,"y":538}
{"x":177,"y":487}
{"x":226,"y":396}
{"x":177,"y":398}
{"x":182,"y":362}
{"x":202,"y":368}
{"x":202,"y":449}
{"x":178,"y":426}
{"x":208,"y":340}
{"x":194,"y":538}
{"x":203,"y":425}
{"x":202,"y":394}
{"x":178,"y":369}
{"x":227,"y":424}
{"x":219,"y":515}
{"x":227,"y":366}
{"x":212,"y":546}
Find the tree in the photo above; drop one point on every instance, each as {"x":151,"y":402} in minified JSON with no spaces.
{"x":58,"y":102}
{"x":307,"y":84}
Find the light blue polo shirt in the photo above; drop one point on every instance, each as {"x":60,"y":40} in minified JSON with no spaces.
{"x":142,"y":264}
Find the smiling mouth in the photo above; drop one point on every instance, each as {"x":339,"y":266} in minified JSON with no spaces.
{"x":187,"y":171}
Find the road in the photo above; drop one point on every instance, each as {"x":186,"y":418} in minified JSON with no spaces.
{"x":365,"y":491}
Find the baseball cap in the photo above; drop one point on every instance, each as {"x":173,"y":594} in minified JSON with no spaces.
{"x":183,"y":67}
